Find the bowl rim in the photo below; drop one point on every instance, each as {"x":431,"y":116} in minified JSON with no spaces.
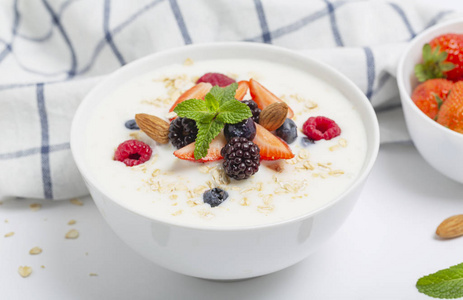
{"x":372,"y":145}
{"x":417,"y":41}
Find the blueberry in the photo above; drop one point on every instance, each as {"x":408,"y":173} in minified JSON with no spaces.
{"x":246,"y":129}
{"x":132,"y":125}
{"x":215,"y":196}
{"x":306,"y":142}
{"x":287,"y":131}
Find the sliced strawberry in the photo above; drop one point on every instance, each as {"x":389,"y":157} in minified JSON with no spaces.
{"x":242,"y":89}
{"x":264,"y":97}
{"x":271,"y":147}
{"x":213,"y":153}
{"x":197,"y":92}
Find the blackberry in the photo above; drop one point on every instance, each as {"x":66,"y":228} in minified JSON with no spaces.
{"x":241,"y":158}
{"x":246,"y":129}
{"x":182,"y":132}
{"x":132,"y":125}
{"x":215,"y":196}
{"x":254,"y":109}
{"x":287,"y":131}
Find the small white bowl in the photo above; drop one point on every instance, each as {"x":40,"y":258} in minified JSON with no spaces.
{"x":221,"y":253}
{"x":441,"y":147}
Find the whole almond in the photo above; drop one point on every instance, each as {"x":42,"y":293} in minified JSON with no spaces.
{"x":154,"y":127}
{"x":451,"y":227}
{"x":273,"y":116}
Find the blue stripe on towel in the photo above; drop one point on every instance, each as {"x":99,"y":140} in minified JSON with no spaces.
{"x":108,"y":36}
{"x":401,"y":13}
{"x":32,"y":151}
{"x":180,"y":21}
{"x":56,"y":21}
{"x":334,"y":24}
{"x":266,"y":37}
{"x":45,"y":150}
{"x":370,"y":71}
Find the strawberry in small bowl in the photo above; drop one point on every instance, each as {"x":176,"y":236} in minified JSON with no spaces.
{"x":430,"y":80}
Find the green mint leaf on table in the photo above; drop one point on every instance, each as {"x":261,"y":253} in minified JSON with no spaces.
{"x":444,"y":284}
{"x":233,"y":111}
{"x":206,"y":133}
{"x":218,"y":108}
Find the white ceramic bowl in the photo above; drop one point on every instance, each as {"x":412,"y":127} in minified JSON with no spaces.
{"x":441,"y":147}
{"x":221,"y":253}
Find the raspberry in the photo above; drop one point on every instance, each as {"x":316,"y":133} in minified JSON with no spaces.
{"x":254,"y":109}
{"x":182,"y":132}
{"x":132,"y":153}
{"x":241,"y":158}
{"x":317,"y":128}
{"x":216,"y":79}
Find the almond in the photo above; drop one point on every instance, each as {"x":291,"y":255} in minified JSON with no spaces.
{"x":451,"y":227}
{"x":154,"y":127}
{"x":273,"y":116}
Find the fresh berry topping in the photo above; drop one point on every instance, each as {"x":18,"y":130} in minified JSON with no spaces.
{"x":246,"y":129}
{"x":271,"y":147}
{"x":241,"y":158}
{"x":213,"y":153}
{"x":264,"y":97}
{"x":182,"y":132}
{"x":317,"y":128}
{"x":430,"y":95}
{"x":132,"y":125}
{"x":216,"y":79}
{"x":215,"y":196}
{"x":242,"y":89}
{"x":287,"y":131}
{"x":306,"y":142}
{"x":197,"y":92}
{"x":255,"y":110}
{"x":451,"y":113}
{"x":132,"y":153}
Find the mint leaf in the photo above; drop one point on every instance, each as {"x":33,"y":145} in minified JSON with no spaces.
{"x":233,"y":111}
{"x":229,"y":92}
{"x":206,"y":133}
{"x":194,"y":109}
{"x":444,"y":284}
{"x":217,"y":92}
{"x":211,"y":102}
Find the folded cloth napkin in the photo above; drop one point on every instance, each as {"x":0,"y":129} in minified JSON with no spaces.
{"x":52,"y":52}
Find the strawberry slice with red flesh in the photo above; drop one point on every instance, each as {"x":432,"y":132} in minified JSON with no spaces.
{"x":271,"y":147}
{"x":213,"y":153}
{"x":264,"y":97}
{"x":199,"y":91}
{"x":242,"y":89}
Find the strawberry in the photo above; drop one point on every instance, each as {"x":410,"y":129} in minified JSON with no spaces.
{"x":442,"y":58}
{"x":197,"y":92}
{"x":271,"y":147}
{"x":264,"y":97}
{"x":430,"y":95}
{"x":213,"y":153}
{"x":451,"y":113}
{"x":242,"y":89}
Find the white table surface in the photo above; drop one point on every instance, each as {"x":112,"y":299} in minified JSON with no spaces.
{"x":387,"y":243}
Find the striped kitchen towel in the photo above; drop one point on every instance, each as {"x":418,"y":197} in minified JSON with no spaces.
{"x":52,"y":52}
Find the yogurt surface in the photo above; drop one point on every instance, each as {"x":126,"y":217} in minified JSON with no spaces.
{"x":169,"y":189}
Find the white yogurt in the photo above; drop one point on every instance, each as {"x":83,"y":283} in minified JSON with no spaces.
{"x":169,"y":189}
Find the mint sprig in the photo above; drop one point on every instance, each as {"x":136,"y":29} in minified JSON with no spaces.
{"x":218,"y":108}
{"x":444,"y":284}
